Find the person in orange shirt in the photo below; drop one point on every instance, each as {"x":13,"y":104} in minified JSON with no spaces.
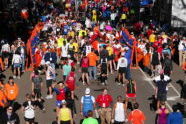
{"x":3,"y":100}
{"x":93,"y":58}
{"x":136,"y":116}
{"x":11,"y":90}
{"x":2,"y":64}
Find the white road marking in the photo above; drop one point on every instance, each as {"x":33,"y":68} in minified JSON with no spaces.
{"x":151,"y":83}
{"x":173,"y":98}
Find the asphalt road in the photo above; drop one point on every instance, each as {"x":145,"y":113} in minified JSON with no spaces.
{"x":145,"y":89}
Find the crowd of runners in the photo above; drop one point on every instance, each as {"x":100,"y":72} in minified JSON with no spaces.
{"x":88,"y":44}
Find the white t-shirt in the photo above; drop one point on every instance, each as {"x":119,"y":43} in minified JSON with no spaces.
{"x":5,"y":48}
{"x":16,"y":59}
{"x":113,"y":16}
{"x":88,"y":49}
{"x":29,"y":110}
{"x":49,"y":73}
{"x":122,"y":62}
{"x":64,"y":51}
{"x":117,"y":46}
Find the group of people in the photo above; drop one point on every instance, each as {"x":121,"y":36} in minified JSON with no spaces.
{"x":98,"y":46}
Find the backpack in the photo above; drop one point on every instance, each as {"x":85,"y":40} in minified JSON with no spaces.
{"x":87,"y":103}
{"x":130,"y":87}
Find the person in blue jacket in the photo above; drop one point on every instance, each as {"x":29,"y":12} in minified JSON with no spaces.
{"x":175,"y":117}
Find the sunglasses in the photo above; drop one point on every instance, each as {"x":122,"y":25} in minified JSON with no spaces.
{"x":10,"y":109}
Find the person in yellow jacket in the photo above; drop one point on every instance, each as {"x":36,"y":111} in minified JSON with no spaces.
{"x":65,"y":114}
{"x":11,"y":90}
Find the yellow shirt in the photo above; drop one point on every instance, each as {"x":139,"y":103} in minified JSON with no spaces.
{"x":152,"y":38}
{"x":71,"y":33}
{"x":60,"y":42}
{"x":64,"y":114}
{"x":75,"y":45}
{"x":81,"y":33}
{"x":164,"y":36}
{"x":123,"y":16}
{"x":110,"y":51}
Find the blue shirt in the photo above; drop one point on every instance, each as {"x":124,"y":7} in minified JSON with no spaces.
{"x":175,"y":118}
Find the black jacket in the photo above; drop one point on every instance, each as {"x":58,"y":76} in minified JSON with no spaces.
{"x":13,"y":118}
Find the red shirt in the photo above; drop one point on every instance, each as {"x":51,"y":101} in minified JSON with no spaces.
{"x":61,"y":95}
{"x":71,"y":81}
{"x":104,"y":100}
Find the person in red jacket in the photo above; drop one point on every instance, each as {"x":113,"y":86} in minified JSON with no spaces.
{"x":104,"y":102}
{"x":70,"y":82}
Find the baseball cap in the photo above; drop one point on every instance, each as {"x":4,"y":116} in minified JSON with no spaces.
{"x":87,"y":91}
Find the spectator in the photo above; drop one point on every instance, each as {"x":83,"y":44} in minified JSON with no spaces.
{"x":136,"y":116}
{"x":3,"y":100}
{"x":11,"y":91}
{"x":9,"y":117}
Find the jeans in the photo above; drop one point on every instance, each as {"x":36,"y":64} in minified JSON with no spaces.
{"x":92,"y":70}
{"x":105,"y":114}
{"x":128,"y":72}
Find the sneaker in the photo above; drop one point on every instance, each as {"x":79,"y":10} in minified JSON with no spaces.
{"x":50,"y":96}
{"x":18,"y":77}
{"x":106,"y":82}
{"x":47,"y":97}
{"x":44,"y":110}
{"x":123,"y":84}
{"x":119,"y":83}
{"x":103,"y":84}
{"x":83,"y":83}
{"x":14,"y":76}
